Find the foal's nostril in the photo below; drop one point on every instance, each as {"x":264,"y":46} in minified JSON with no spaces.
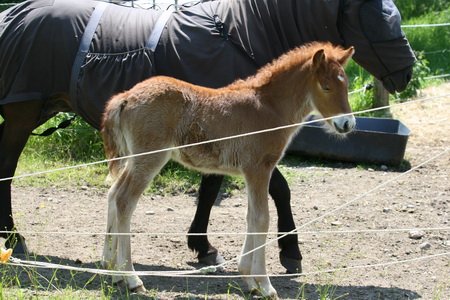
{"x":346,"y":126}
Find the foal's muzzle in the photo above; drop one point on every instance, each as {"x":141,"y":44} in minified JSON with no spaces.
{"x":344,"y":124}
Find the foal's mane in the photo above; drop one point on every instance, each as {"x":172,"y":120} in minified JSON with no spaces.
{"x":295,"y":58}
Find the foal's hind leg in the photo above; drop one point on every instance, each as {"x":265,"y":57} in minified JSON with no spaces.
{"x":124,"y":194}
{"x":109,"y":255}
{"x":290,"y":256}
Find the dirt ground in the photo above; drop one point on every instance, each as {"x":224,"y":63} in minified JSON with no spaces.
{"x":419,"y":199}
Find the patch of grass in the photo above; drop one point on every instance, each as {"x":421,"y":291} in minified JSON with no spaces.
{"x":327,"y":292}
{"x":77,"y":143}
{"x":420,"y":71}
{"x":174,"y":179}
{"x":83,"y":176}
{"x":411,"y":9}
{"x":362,"y":100}
{"x":30,"y":283}
{"x":432,"y":41}
{"x":440,"y":289}
{"x":234,"y":287}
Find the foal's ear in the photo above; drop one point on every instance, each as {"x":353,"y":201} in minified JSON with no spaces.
{"x":318,"y":58}
{"x":346,"y":55}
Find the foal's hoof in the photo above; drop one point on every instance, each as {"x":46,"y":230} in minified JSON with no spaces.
{"x":211,"y":259}
{"x":140,"y":289}
{"x":122,"y":284}
{"x":259,"y":294}
{"x":293,"y":266}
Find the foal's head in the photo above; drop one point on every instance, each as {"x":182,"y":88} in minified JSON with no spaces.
{"x":329,"y":88}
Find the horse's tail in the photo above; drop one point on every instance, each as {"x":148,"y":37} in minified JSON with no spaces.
{"x":113,"y":138}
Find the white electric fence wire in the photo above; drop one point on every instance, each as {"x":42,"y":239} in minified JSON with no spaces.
{"x":436,"y":51}
{"x":425,"y":25}
{"x":219,"y":233}
{"x":209,"y":269}
{"x":218,"y":139}
{"x":195,"y":274}
{"x":436,"y":76}
{"x":363,"y":89}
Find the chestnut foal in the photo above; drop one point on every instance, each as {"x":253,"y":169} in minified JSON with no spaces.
{"x":163,"y":112}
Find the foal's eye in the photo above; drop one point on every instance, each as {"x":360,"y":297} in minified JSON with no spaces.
{"x":325,"y":87}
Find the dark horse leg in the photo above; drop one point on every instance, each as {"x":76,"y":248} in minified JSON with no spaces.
{"x":207,"y":194}
{"x":20,"y":119}
{"x":290,"y":255}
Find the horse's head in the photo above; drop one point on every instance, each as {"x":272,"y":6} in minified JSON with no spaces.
{"x":330,"y":87}
{"x":373,"y":27}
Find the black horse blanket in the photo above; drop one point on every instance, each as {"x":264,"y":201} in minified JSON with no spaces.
{"x":39,"y":42}
{"x":211,"y":44}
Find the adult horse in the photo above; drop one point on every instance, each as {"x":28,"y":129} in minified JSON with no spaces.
{"x":72,"y":55}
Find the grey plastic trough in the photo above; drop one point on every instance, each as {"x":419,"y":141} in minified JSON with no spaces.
{"x":374,"y":140}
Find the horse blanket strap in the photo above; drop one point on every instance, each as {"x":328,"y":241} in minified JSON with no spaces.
{"x":64,"y":124}
{"x":159,"y":27}
{"x":84,"y":47}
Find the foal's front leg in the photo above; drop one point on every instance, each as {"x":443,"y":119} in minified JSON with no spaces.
{"x":257,"y":222}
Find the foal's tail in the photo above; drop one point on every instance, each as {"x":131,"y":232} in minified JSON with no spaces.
{"x":113,"y":138}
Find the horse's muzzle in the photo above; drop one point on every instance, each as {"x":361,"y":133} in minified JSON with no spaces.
{"x":398,"y":81}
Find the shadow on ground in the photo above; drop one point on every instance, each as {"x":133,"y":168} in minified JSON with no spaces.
{"x":54,"y":280}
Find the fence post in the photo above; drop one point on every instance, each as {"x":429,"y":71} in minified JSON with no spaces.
{"x":381,"y":98}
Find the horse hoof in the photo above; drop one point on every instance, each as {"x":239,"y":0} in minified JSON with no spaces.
{"x":17,"y":243}
{"x":293,"y":266}
{"x":212,"y":259}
